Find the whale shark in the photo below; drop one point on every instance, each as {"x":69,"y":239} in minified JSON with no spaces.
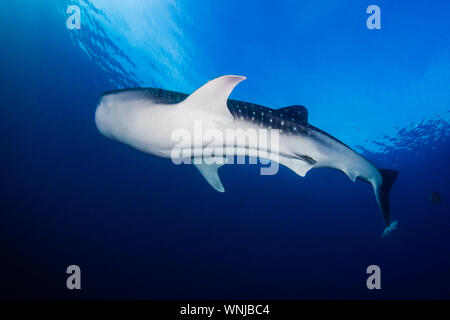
{"x":146,"y":118}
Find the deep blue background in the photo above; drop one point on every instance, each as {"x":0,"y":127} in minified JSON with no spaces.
{"x":140,"y":227}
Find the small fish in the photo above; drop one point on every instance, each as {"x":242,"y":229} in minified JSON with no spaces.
{"x":435,"y":197}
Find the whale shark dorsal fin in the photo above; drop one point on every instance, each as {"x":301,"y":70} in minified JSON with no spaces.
{"x":210,"y":173}
{"x":211,"y":98}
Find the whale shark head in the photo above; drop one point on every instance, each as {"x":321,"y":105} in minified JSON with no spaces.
{"x":101,"y":118}
{"x":111,"y":114}
{"x":139,"y":117}
{"x":115,"y":109}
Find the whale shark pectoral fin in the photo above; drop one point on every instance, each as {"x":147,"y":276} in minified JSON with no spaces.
{"x":211,"y":98}
{"x":209,"y":172}
{"x":352,"y":175}
{"x":300,"y":167}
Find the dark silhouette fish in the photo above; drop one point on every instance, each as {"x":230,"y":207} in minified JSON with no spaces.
{"x":435,"y":197}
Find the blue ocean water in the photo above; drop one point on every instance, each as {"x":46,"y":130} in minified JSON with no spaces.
{"x":140,"y":227}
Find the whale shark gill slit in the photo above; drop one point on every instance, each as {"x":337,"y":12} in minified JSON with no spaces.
{"x":306,"y":158}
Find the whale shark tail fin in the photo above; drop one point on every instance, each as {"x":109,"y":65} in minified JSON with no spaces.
{"x":387,"y":231}
{"x":382,"y":194}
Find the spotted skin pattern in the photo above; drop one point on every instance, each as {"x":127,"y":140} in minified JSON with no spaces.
{"x":288,"y":120}
{"x":292,"y":120}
